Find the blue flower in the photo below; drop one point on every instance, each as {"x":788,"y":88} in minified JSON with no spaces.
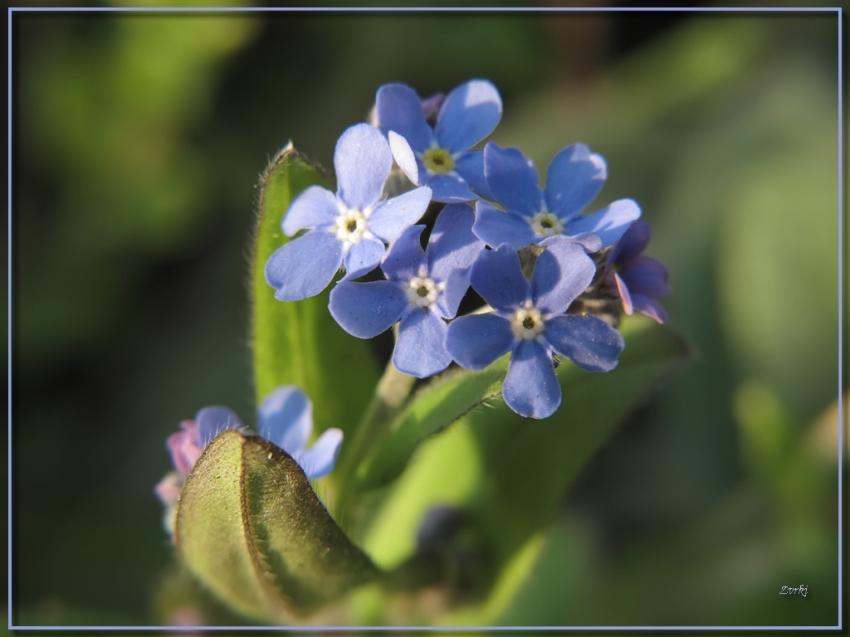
{"x":639,"y":279}
{"x":347,"y":228}
{"x":440,"y":157}
{"x":532,"y":214}
{"x":529,"y":321}
{"x":422,"y":289}
{"x":285,"y":419}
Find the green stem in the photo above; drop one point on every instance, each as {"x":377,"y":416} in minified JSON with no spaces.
{"x":390,"y":394}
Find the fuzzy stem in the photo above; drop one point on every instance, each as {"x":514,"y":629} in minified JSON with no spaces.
{"x":390,"y":394}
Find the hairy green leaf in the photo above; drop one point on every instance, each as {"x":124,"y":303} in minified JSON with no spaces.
{"x":298,"y":342}
{"x":250,"y":527}
{"x":510,"y":472}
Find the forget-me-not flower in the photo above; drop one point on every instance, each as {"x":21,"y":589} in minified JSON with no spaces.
{"x":422,"y":289}
{"x":441,"y":156}
{"x":528,"y":320}
{"x":348,"y":228}
{"x":285,"y":419}
{"x":639,"y":280}
{"x":532,"y":214}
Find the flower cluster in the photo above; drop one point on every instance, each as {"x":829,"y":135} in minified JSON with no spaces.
{"x":285,"y":418}
{"x":531,"y":253}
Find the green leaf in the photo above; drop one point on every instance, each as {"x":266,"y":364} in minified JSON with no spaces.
{"x":299,"y":343}
{"x":510,"y":472}
{"x":432,"y":408}
{"x":250,"y":527}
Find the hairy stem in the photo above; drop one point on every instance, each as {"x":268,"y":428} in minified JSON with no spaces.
{"x":390,"y":394}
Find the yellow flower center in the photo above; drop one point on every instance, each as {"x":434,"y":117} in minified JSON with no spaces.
{"x":438,"y":160}
{"x":545,"y":224}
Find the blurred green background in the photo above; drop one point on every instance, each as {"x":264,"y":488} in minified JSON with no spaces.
{"x":138,"y":142}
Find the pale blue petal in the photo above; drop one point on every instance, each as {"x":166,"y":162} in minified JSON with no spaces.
{"x":286,"y":418}
{"x":304,"y":266}
{"x":321,"y":458}
{"x":399,"y":109}
{"x":610,"y":223}
{"x":562,"y":272}
{"x":314,"y":207}
{"x":420,"y":350}
{"x":394,"y":215}
{"x":497,"y":277}
{"x":575,"y":177}
{"x":363,"y":257}
{"x":470,"y":166}
{"x":404,"y":157}
{"x":477,"y":340}
{"x":452,"y":245}
{"x":211,"y":421}
{"x":362,"y":161}
{"x":497,"y":228}
{"x":406,"y":256}
{"x":531,"y":387}
{"x":365,"y":310}
{"x":456,"y":286}
{"x":589,"y":342}
{"x":449,"y":188}
{"x":470,"y":113}
{"x":590,"y":241}
{"x":512,"y":179}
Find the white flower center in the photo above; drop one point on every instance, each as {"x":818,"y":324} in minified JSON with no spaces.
{"x":545,"y":224}
{"x":350,"y":226}
{"x":423,"y":291}
{"x":527,"y":323}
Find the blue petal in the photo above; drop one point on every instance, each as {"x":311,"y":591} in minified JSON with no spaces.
{"x":321,"y":458}
{"x":589,"y":342}
{"x":456,"y":286}
{"x":421,"y":346}
{"x":362,"y":161}
{"x":449,"y":188}
{"x":211,"y":421}
{"x":304,"y":267}
{"x":452,"y":245}
{"x":477,"y":340}
{"x":649,"y":307}
{"x":399,"y":109}
{"x":632,"y":243}
{"x":574,"y":178}
{"x":314,"y":207}
{"x":470,"y":113}
{"x":590,"y":241}
{"x":497,"y":228}
{"x":363,"y":257}
{"x":365,"y":310}
{"x":531,"y":388}
{"x":645,"y":275}
{"x":512,"y":179}
{"x":497,"y":277}
{"x":562,"y":272}
{"x":406,"y":256}
{"x":286,"y":418}
{"x":394,"y":215}
{"x":404,"y":157}
{"x":470,"y":166}
{"x":610,"y":223}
